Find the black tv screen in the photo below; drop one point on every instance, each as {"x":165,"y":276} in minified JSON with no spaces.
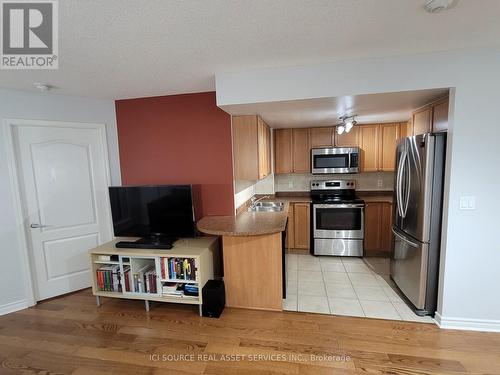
{"x":144,"y":211}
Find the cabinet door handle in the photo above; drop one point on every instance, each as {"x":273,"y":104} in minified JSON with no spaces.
{"x":36,"y":225}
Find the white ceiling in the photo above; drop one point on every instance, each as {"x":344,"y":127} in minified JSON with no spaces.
{"x":369,"y":108}
{"x":128,"y":48}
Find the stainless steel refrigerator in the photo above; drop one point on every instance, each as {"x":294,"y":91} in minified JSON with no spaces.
{"x":417,"y":216}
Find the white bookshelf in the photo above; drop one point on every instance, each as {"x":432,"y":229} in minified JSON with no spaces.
{"x":202,"y":251}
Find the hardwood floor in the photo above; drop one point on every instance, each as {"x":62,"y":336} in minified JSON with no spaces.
{"x":70,"y":335}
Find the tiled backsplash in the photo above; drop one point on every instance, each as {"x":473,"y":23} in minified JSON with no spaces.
{"x":301,"y":182}
{"x":364,"y":181}
{"x":244,"y":190}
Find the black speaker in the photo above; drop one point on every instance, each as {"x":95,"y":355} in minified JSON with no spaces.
{"x":214,"y":298}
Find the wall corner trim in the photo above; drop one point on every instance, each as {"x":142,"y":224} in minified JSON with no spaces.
{"x":465,"y":324}
{"x":14,"y":306}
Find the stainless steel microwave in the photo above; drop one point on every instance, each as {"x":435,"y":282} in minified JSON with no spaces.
{"x":335,"y":160}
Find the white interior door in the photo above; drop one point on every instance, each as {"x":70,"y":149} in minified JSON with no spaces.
{"x":64,"y":178}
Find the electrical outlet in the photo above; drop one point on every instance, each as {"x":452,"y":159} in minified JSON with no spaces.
{"x":467,"y":202}
{"x":380,"y":182}
{"x":290,"y":184}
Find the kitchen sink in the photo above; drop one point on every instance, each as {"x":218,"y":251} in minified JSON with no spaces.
{"x":266,"y":207}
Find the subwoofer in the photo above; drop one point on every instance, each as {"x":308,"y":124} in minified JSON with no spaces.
{"x":214,"y":298}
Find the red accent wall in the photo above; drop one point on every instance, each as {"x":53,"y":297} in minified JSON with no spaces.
{"x":178,"y":139}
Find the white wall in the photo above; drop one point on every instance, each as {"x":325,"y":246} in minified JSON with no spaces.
{"x":38,"y":106}
{"x":470,"y":250}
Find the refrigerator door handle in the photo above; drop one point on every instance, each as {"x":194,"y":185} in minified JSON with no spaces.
{"x":408,"y":185}
{"x":399,"y":183}
{"x":411,"y":243}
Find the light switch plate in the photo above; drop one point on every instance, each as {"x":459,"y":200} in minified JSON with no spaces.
{"x":467,"y":202}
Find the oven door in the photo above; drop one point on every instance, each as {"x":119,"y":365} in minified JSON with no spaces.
{"x":333,"y":160}
{"x":338,"y":221}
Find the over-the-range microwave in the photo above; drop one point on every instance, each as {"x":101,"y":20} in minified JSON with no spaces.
{"x":335,"y":160}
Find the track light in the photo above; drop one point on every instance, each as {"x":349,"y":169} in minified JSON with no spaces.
{"x":346,"y":125}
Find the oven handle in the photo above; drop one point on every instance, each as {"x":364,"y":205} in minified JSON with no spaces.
{"x":354,"y":205}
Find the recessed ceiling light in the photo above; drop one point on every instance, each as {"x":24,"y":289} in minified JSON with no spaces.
{"x":43,"y":86}
{"x":436,"y":6}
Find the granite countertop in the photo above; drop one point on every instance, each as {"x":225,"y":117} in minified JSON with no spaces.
{"x":258,"y":223}
{"x":246,"y":223}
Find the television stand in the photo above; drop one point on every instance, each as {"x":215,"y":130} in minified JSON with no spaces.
{"x":145,"y":274}
{"x":150,"y":242}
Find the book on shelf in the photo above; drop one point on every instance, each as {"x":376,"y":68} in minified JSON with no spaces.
{"x":171,"y":289}
{"x":145,"y":280}
{"x":191,"y":290}
{"x":179,"y":290}
{"x":109,"y":278}
{"x":178,"y":269}
{"x":127,"y":277}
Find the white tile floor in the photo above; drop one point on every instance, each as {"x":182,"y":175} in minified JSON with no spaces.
{"x":344,"y":286}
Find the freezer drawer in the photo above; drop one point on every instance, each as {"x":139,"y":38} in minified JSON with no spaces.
{"x":409,"y":268}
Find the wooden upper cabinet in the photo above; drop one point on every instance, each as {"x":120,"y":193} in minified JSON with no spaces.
{"x":351,"y":139}
{"x":301,"y":151}
{"x":440,"y":115}
{"x":389,"y":135}
{"x":369,"y":144}
{"x":321,"y":137}
{"x":301,"y":222}
{"x":283,"y":161}
{"x":251,"y":150}
{"x":406,"y":129}
{"x":264,"y":148}
{"x":422,"y":121}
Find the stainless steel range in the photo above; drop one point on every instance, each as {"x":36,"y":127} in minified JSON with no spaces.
{"x":337,"y":214}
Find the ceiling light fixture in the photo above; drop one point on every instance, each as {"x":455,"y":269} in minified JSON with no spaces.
{"x":347,"y":123}
{"x":436,"y":6}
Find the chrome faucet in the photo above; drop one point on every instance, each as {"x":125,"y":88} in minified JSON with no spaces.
{"x":253,"y":200}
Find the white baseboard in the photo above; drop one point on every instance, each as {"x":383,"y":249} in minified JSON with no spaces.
{"x":13,"y":306}
{"x":484,"y":325}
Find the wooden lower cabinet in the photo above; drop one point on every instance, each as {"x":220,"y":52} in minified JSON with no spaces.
{"x":299,"y":229}
{"x":386,"y":227}
{"x":290,"y":232}
{"x":252,"y":271}
{"x":302,"y":228}
{"x":378,"y":224}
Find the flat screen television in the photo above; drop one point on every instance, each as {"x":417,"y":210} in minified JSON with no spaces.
{"x":158,"y":214}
